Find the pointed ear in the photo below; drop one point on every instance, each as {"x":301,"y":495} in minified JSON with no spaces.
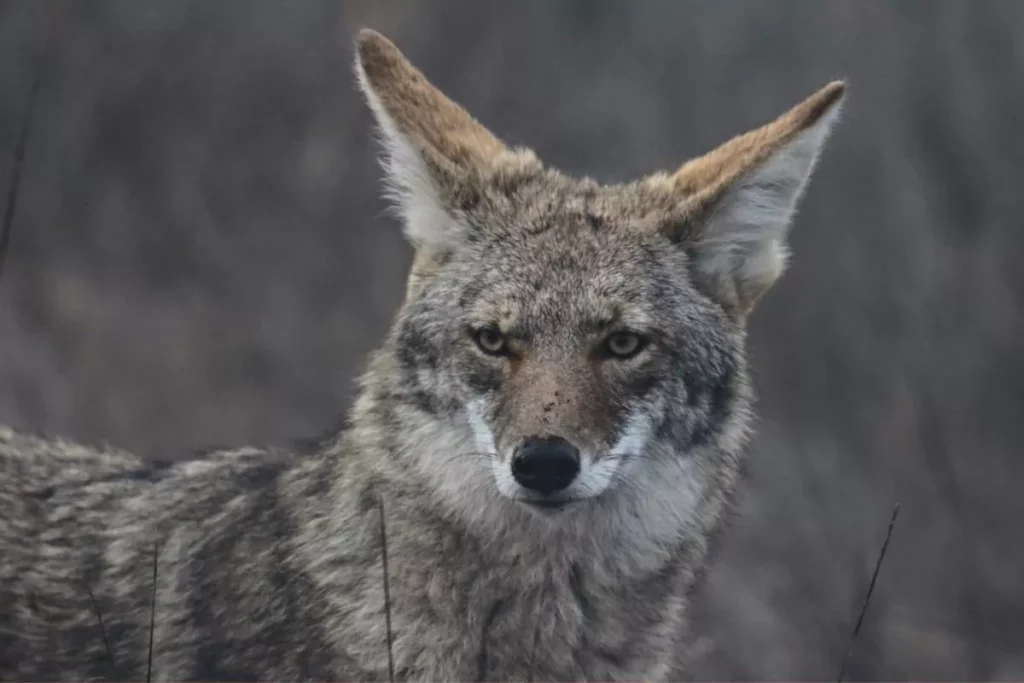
{"x":741,"y":197}
{"x":432,"y":146}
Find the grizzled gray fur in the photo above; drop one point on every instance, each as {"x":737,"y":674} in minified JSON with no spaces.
{"x":552,"y":431}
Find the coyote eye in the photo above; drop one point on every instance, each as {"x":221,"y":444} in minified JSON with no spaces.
{"x":491,"y":341}
{"x":623,"y":344}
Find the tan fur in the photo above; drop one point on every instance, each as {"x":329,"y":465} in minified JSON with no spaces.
{"x":703,"y":179}
{"x":445,"y":133}
{"x":561,"y":397}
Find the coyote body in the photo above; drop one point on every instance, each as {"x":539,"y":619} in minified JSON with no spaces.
{"x":542,"y":449}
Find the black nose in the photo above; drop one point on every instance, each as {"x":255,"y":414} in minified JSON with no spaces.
{"x":546,"y":464}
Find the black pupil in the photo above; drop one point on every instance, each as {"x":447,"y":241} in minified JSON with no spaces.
{"x":491,"y":339}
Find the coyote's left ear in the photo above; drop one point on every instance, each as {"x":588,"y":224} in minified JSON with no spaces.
{"x":740,"y":199}
{"x":433,"y":148}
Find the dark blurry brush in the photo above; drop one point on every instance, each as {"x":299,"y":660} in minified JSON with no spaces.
{"x":19,"y":149}
{"x":10,"y":210}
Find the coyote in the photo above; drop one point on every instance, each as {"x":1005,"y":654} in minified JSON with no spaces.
{"x":527,"y":485}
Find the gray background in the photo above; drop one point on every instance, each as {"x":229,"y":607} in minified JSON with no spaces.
{"x":200,"y":258}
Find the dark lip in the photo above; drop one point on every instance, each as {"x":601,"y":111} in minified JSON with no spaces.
{"x":550,"y":504}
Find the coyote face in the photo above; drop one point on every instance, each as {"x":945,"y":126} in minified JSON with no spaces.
{"x":575,"y":345}
{"x":576,"y":342}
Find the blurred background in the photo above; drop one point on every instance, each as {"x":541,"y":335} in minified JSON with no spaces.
{"x":200,"y":258}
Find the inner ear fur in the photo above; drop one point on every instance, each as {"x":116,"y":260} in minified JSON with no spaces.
{"x":738,"y":201}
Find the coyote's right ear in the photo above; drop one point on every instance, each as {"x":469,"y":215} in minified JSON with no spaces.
{"x":741,"y":198}
{"x":433,"y":148}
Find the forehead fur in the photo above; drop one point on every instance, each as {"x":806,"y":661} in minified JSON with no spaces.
{"x":507,"y":203}
{"x":549,"y":254}
{"x":561,"y":251}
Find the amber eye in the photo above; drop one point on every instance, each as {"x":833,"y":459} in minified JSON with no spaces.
{"x":491,"y":341}
{"x":624,"y":344}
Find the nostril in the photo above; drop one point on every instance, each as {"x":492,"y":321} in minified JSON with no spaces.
{"x":523,"y":467}
{"x":546,"y":465}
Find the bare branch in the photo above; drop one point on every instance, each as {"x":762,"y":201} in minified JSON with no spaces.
{"x":103,"y":630}
{"x":22,"y":143}
{"x":867,"y":596}
{"x":152,"y":616}
{"x":387,"y":591}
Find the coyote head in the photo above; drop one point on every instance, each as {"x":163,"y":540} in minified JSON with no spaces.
{"x":564,"y":343}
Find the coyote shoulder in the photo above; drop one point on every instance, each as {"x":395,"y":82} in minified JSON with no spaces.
{"x":551,"y":430}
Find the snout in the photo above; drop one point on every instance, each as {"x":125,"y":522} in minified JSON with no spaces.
{"x":546,"y":465}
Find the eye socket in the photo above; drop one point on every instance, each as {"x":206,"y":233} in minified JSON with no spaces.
{"x":491,"y":341}
{"x":623,"y":344}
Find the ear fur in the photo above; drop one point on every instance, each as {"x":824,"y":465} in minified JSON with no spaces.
{"x":741,"y":197}
{"x":738,"y":200}
{"x":432,"y":147}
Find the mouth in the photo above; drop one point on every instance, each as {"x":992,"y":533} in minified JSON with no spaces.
{"x":550,"y":506}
